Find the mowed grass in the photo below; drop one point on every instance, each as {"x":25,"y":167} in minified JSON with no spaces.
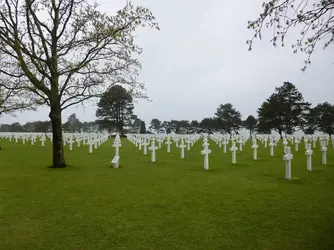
{"x":170,"y":204}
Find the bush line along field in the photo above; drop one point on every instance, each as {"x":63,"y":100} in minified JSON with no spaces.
{"x":169,"y":204}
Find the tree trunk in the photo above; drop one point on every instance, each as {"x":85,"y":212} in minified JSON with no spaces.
{"x":58,"y":160}
{"x":280,"y":133}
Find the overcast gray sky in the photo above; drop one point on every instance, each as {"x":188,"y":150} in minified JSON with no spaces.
{"x":199,"y":60}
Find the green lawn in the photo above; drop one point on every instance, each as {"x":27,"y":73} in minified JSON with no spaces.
{"x":170,"y":204}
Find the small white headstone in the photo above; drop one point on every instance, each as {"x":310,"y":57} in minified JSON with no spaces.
{"x":160,"y":140}
{"x":43,"y":140}
{"x":139,"y":144}
{"x":254,"y":147}
{"x":271,"y":145}
{"x":168,"y":142}
{"x":206,"y":153}
{"x":287,"y":158}
{"x":115,"y":162}
{"x":285,"y":143}
{"x":182,"y":146}
{"x":324,"y":153}
{"x":153,"y":148}
{"x":71,"y":143}
{"x":145,"y":146}
{"x":188,"y":144}
{"x":225,"y":143}
{"x":90,"y":142}
{"x":240,"y":144}
{"x":308,"y":154}
{"x":296,"y":144}
{"x":234,"y":149}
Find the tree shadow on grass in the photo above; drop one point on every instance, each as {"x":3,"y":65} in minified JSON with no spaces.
{"x":67,"y":168}
{"x":293,"y":181}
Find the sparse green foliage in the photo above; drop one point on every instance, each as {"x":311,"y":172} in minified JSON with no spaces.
{"x":250,"y":124}
{"x":194,"y":125}
{"x":155,"y":125}
{"x":284,"y":110}
{"x":313,"y":19}
{"x":309,"y":124}
{"x":73,"y":124}
{"x":324,"y":114}
{"x":115,"y":109}
{"x":209,"y":125}
{"x":142,"y":129}
{"x":229,"y":119}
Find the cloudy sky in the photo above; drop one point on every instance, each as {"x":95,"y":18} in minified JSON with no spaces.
{"x":199,"y":60}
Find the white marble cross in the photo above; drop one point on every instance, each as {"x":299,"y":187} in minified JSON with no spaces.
{"x":95,"y":141}
{"x":160,"y":140}
{"x":78,"y":139}
{"x":182,"y":146}
{"x":271,"y":145}
{"x":206,"y":153}
{"x":305,"y":141}
{"x":324,"y":152}
{"x":254,"y":147}
{"x":32,"y":139}
{"x":296,"y":144}
{"x":43,"y":140}
{"x":240,"y":144}
{"x":153,"y":148}
{"x":139,"y":143}
{"x":285,"y":143}
{"x":168,"y":142}
{"x":234,"y":149}
{"x":177,"y":142}
{"x":188,"y":143}
{"x":225,"y":142}
{"x":145,"y":146}
{"x":117,"y":144}
{"x":308,"y":154}
{"x":314,"y":140}
{"x":90,"y":142}
{"x":287,"y":158}
{"x":71,"y":143}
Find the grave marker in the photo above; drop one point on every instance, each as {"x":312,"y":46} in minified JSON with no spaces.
{"x":308,"y":154}
{"x":234,"y":149}
{"x":287,"y":158}
{"x":153,"y":148}
{"x":206,"y":151}
{"x":323,"y":153}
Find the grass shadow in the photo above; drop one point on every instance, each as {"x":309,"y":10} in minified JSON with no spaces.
{"x":293,"y":180}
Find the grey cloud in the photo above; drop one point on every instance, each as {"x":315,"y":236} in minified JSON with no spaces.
{"x":199,"y":60}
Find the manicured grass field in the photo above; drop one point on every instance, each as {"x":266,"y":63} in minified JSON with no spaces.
{"x":170,"y":204}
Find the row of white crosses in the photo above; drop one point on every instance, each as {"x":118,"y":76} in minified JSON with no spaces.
{"x":273,"y":143}
{"x":95,"y":139}
{"x":148,"y":142}
{"x":288,"y":157}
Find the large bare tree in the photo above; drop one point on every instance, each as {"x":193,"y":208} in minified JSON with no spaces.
{"x":68,"y":51}
{"x":314,"y":20}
